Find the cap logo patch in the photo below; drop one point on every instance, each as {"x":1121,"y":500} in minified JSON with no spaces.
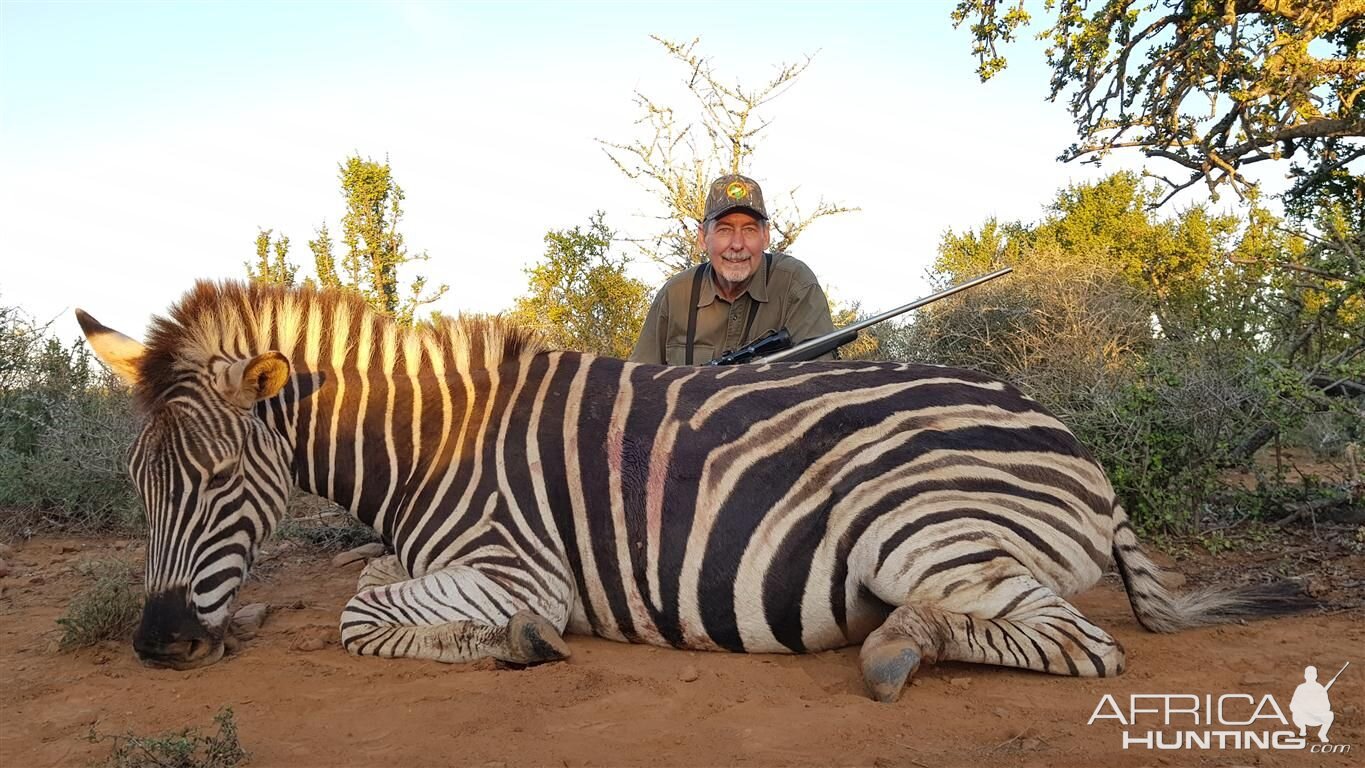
{"x":737,"y":190}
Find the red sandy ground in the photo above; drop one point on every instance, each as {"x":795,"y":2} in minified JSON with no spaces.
{"x":614,"y":704}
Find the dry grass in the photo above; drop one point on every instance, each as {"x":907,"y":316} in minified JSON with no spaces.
{"x":186,"y":748}
{"x":107,"y":609}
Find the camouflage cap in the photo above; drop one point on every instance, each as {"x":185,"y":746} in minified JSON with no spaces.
{"x":733,"y":192}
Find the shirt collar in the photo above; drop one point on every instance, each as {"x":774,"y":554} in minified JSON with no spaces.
{"x":757,"y":288}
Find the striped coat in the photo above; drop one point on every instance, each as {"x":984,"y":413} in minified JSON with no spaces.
{"x":925,"y":512}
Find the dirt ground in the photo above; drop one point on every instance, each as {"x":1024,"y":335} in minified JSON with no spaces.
{"x":614,"y":704}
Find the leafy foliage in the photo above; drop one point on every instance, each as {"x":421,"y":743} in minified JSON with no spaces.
{"x":1210,"y":86}
{"x":276,"y":271}
{"x":107,"y":609}
{"x":868,"y":344}
{"x":64,"y":427}
{"x":1175,"y":347}
{"x":580,"y":296}
{"x":375,"y":249}
{"x":186,"y":748}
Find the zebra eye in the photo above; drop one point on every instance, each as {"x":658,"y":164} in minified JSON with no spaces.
{"x":220,"y":478}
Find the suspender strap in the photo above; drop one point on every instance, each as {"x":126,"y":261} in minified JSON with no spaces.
{"x":692,"y":311}
{"x":754,"y":303}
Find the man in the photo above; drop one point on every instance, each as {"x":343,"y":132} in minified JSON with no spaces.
{"x":740,"y":293}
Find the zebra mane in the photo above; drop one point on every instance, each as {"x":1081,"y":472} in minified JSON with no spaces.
{"x":237,"y":319}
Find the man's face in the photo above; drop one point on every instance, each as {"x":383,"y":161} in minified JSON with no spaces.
{"x":735,"y":244}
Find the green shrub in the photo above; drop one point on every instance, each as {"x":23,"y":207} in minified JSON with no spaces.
{"x":186,"y":748}
{"x":1165,"y":415}
{"x":107,"y":609}
{"x":65,"y":426}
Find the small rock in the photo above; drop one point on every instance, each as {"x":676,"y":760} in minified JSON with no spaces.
{"x":247,"y":621}
{"x":4,"y":569}
{"x":346,"y":558}
{"x":689,"y":674}
{"x":315,"y":638}
{"x":67,"y":549}
{"x":959,"y":682}
{"x":37,"y":581}
{"x":1000,"y":712}
{"x":359,"y":554}
{"x":916,"y":681}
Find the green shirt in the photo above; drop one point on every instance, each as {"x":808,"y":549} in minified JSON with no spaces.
{"x":785,"y":291}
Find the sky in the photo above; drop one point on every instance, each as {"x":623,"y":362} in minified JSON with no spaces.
{"x":142,"y":145}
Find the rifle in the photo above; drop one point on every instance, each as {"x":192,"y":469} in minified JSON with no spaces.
{"x":1328,"y":687}
{"x":776,"y":346}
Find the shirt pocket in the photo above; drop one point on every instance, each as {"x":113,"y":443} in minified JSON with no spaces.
{"x":676,"y":354}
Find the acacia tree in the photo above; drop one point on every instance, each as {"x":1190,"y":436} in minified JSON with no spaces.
{"x":580,"y":296}
{"x":1210,"y":86}
{"x":685,"y":148}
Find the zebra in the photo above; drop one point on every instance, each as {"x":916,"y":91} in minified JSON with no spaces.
{"x":926,"y":513}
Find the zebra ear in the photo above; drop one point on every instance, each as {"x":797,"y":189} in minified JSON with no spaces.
{"x":259,"y":378}
{"x":122,"y":354}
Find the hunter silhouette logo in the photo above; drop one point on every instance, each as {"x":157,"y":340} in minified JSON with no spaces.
{"x":1310,"y":705}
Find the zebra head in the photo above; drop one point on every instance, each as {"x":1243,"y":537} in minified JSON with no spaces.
{"x":213,"y":477}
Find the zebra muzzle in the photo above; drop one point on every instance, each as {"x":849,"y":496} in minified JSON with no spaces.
{"x":170,"y":634}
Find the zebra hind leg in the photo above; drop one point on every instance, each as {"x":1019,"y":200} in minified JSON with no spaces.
{"x":453,"y":615}
{"x":1038,"y":630}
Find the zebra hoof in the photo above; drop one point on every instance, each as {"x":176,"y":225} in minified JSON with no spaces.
{"x":887,"y":666}
{"x":532,"y":639}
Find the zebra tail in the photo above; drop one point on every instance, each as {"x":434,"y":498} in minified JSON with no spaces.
{"x":1161,"y":609}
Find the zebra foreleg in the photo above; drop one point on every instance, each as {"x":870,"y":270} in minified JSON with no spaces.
{"x":456,"y":614}
{"x":382,"y":571}
{"x":1040,"y":631}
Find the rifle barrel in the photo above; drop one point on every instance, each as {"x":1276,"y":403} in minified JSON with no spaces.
{"x":1328,"y":687}
{"x":796,"y":351}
